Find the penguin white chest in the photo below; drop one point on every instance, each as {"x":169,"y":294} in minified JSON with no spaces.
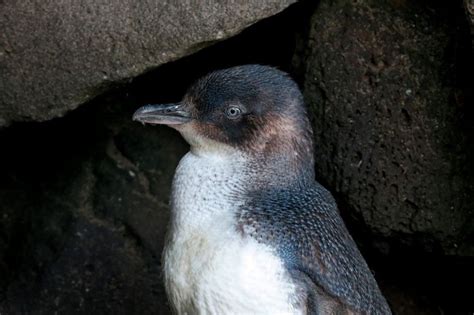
{"x":210,"y":268}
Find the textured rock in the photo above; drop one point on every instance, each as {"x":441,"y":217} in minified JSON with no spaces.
{"x":388,"y":87}
{"x":82,"y":223}
{"x":56,"y":55}
{"x":469,"y":8}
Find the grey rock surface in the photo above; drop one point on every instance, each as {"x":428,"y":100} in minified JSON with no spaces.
{"x":388,"y":88}
{"x":56,"y":55}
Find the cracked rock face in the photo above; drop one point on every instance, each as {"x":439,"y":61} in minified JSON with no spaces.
{"x":393,"y":125}
{"x":55,"y":56}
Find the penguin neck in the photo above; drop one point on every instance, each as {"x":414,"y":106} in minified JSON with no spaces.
{"x":263,"y":170}
{"x":283,"y":170}
{"x":212,"y":186}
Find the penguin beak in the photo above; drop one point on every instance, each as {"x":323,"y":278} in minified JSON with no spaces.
{"x":163,"y":114}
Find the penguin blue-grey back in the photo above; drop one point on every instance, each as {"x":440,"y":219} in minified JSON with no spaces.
{"x":251,"y":231}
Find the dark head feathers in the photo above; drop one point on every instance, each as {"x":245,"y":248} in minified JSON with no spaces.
{"x":255,"y":108}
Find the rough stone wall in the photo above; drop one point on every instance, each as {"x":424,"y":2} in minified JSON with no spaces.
{"x":387,"y":83}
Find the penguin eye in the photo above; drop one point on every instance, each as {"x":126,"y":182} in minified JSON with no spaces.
{"x":233,"y":112}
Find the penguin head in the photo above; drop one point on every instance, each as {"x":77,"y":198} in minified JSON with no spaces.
{"x":252,"y":109}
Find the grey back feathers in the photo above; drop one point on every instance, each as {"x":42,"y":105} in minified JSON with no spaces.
{"x":304,"y":226}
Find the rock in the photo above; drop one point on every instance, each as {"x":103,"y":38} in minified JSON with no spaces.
{"x":89,"y":277}
{"x":84,"y":214}
{"x":55,"y":56}
{"x":469,"y":9}
{"x":387,"y":83}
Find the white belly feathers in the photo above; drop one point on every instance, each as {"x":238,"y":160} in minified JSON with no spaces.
{"x":210,"y":268}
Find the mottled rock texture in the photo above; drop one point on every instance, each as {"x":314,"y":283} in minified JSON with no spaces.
{"x":56,"y":55}
{"x":388,"y":84}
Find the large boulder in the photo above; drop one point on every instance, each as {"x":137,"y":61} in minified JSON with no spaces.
{"x":387,"y":84}
{"x":56,"y":55}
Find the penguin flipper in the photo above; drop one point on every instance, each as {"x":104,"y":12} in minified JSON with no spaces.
{"x":308,"y":234}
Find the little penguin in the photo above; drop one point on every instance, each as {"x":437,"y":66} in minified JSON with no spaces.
{"x":251,"y":231}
